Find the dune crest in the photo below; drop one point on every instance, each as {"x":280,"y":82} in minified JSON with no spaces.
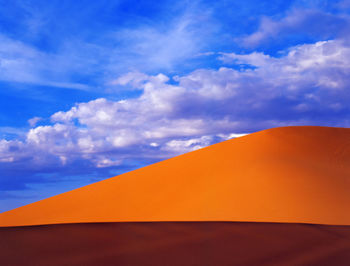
{"x":290,"y":174}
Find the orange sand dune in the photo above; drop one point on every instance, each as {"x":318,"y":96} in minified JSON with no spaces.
{"x":291,"y":174}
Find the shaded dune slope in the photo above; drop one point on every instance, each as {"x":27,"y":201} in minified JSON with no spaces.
{"x":291,"y":174}
{"x":177,"y":243}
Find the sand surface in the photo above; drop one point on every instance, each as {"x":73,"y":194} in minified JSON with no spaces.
{"x":179,"y":243}
{"x":291,"y":174}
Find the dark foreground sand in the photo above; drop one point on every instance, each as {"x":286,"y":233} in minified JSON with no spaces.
{"x":175,"y":243}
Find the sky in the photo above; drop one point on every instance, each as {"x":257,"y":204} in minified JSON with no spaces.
{"x":93,"y":89}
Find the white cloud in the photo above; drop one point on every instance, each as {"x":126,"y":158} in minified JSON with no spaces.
{"x":301,"y":22}
{"x":20,"y":62}
{"x":90,"y":58}
{"x":135,"y":78}
{"x":232,"y":135}
{"x":182,"y":146}
{"x":33,"y":121}
{"x":204,"y":107}
{"x":152,"y":47}
{"x":320,"y":65}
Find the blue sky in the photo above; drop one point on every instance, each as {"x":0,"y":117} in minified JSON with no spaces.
{"x":92,"y":89}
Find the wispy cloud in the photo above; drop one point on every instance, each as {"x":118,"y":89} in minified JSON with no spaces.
{"x":33,"y":121}
{"x":311,"y":23}
{"x":161,"y":47}
{"x":22,"y":63}
{"x":87,"y":62}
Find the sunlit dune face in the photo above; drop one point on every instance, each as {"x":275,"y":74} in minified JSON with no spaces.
{"x":292,"y":174}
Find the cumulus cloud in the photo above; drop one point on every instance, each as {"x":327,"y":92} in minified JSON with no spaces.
{"x":322,"y":65}
{"x":307,"y":85}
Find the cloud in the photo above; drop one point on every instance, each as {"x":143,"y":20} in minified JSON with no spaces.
{"x":322,"y":66}
{"x":33,"y":121}
{"x":344,"y":4}
{"x":162,"y":47}
{"x":20,"y":62}
{"x":91,"y":52}
{"x":308,"y":84}
{"x":302,"y":22}
{"x":182,"y":146}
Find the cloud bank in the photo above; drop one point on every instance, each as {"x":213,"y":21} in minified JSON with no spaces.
{"x":307,"y":85}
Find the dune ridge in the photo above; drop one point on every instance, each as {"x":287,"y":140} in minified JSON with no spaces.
{"x":288,"y":175}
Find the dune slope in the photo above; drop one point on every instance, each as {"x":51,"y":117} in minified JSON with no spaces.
{"x":291,"y":174}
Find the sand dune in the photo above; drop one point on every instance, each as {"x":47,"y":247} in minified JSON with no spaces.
{"x":289,"y":187}
{"x":179,"y":243}
{"x":291,"y":174}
